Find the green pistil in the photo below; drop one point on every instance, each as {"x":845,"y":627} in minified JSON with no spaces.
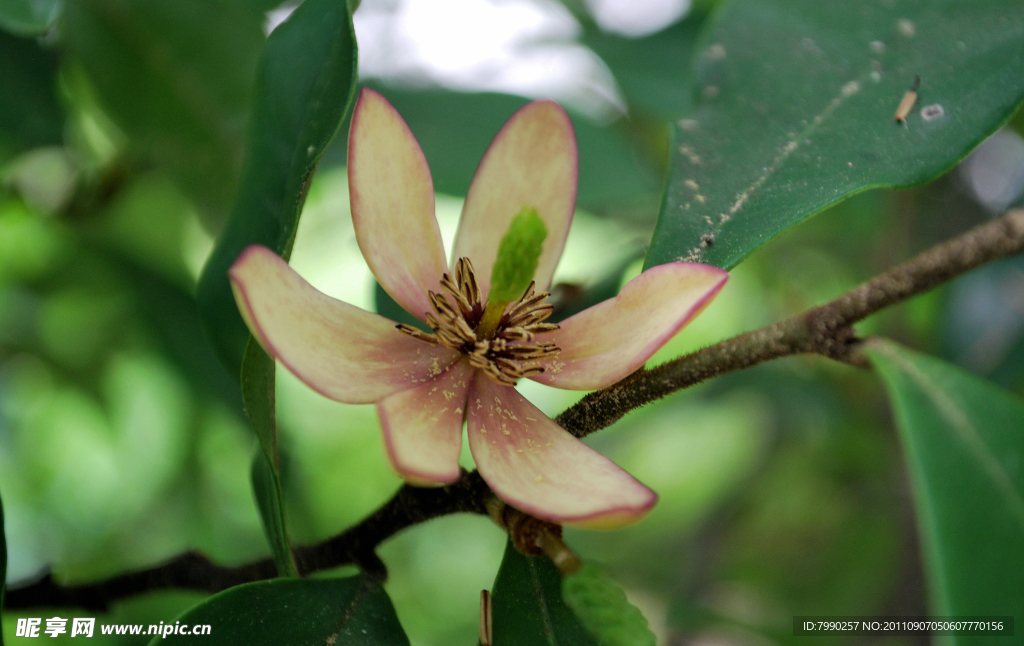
{"x":514,"y":268}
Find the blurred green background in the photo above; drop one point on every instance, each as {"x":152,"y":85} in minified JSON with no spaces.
{"x":122,"y":441}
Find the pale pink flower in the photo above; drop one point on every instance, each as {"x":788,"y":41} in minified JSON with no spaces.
{"x":425,"y":386}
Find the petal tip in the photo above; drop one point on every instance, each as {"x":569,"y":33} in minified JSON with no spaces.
{"x":550,"y":109}
{"x":615,"y":517}
{"x":430,"y":481}
{"x":417,"y":475}
{"x":247,"y":254}
{"x":370,"y":92}
{"x":367,"y":95}
{"x":411,"y":462}
{"x":619,"y":516}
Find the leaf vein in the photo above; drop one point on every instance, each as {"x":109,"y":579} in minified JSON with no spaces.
{"x":549,"y":629}
{"x":349,"y":611}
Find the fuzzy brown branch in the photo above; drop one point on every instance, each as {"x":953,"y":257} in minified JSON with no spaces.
{"x":825,"y":330}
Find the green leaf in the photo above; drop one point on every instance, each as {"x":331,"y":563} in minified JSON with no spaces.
{"x":964,"y":442}
{"x":28,"y":17}
{"x":527,"y":605}
{"x":298,"y":612}
{"x":303,"y":90}
{"x":517,"y":256}
{"x":654,"y":72}
{"x":29,"y":114}
{"x":176,"y":76}
{"x":266,"y":486}
{"x":258,"y":394}
{"x":797,"y":105}
{"x":602,"y":606}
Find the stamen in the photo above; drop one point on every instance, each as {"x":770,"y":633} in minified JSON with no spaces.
{"x":541,"y":328}
{"x":467,"y":280}
{"x":419,"y":334}
{"x":509,"y":352}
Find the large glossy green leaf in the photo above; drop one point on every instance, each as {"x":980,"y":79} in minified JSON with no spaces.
{"x":303,"y":90}
{"x":964,"y":442}
{"x":259,"y":395}
{"x":527,"y":605}
{"x":29,"y":114}
{"x":797,"y":99}
{"x":176,"y":76}
{"x":298,"y":612}
{"x":28,"y":17}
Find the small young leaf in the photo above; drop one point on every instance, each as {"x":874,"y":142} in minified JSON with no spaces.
{"x":517,"y":256}
{"x":354,"y":611}
{"x":258,"y":395}
{"x":266,"y":487}
{"x":963,"y":441}
{"x":602,"y":606}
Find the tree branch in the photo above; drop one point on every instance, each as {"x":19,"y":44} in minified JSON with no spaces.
{"x":825,"y":330}
{"x":193,"y":571}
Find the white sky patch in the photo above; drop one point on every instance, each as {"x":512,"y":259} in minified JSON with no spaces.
{"x":525,"y":47}
{"x":637,"y":18}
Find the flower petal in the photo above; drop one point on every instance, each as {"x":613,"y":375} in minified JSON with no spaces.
{"x":606,"y":342}
{"x":393,"y":204}
{"x":536,"y":466}
{"x":338,"y":350}
{"x":531,"y":162}
{"x":423,"y":427}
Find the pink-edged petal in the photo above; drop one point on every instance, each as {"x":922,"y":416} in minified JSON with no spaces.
{"x":608,"y":341}
{"x":536,"y":466}
{"x":392,"y":199}
{"x":423,"y":427}
{"x":342,"y":352}
{"x":531,"y":162}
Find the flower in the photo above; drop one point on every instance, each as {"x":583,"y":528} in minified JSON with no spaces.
{"x":426,"y":385}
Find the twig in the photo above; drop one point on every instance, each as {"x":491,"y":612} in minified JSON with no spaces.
{"x":825,"y":330}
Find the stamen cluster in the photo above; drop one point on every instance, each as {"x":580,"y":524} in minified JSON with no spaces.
{"x":510,"y":352}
